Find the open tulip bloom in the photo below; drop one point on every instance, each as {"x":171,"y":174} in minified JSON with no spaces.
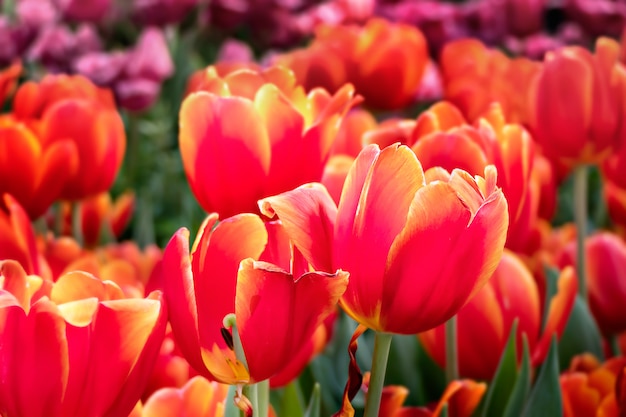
{"x":277,"y":311}
{"x":417,"y":245}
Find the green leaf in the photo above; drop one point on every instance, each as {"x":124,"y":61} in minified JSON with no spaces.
{"x":521,"y":389}
{"x":545,"y":398}
{"x":581,"y":334}
{"x":291,"y":400}
{"x":315,"y":408}
{"x":552,"y":279}
{"x":504,"y":379}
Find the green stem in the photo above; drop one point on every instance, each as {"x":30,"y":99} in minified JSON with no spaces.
{"x":382,"y":343}
{"x":580,"y":216}
{"x":77,"y":224}
{"x":252,"y":393}
{"x":263,"y":396}
{"x":452,"y":354}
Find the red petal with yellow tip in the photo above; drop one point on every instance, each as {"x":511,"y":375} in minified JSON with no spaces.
{"x":422,"y":282}
{"x":178,"y":287}
{"x":113,"y":346}
{"x":215,"y":263}
{"x":229,"y":134}
{"x":34,"y":359}
{"x":277,"y":314}
{"x":308,"y":215}
{"x":364,"y":236}
{"x":78,"y":285}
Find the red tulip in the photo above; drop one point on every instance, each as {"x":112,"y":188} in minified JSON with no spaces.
{"x":276,"y":312}
{"x":398,"y":284}
{"x":485,"y":322}
{"x":253,"y":134}
{"x":606,"y":279}
{"x":577,"y":103}
{"x":62,"y":109}
{"x":75,"y":350}
{"x":33,"y":171}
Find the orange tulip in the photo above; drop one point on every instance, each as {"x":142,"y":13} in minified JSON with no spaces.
{"x":606,"y":278}
{"x":398,"y":284}
{"x":76,"y":349}
{"x":476,"y":76}
{"x":384,"y":61}
{"x":485,"y":322}
{"x":32,"y":170}
{"x":276,"y":312}
{"x":589,"y":388}
{"x":62,"y":108}
{"x":253,"y":134}
{"x":577,"y":103}
{"x":198,"y":398}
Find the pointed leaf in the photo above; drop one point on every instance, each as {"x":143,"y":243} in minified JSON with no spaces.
{"x":521,"y":389}
{"x":504,"y":378}
{"x":581,"y":335}
{"x":314,"y":408}
{"x":545,"y":398}
{"x":292,"y":403}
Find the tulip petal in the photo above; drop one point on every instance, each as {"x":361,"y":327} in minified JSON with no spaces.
{"x":276,"y":314}
{"x":178,"y":288}
{"x":308,"y":215}
{"x":215,"y":264}
{"x":380,"y":213}
{"x":558,"y":313}
{"x":225,"y":149}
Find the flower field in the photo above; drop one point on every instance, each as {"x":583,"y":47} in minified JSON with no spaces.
{"x":312,"y":208}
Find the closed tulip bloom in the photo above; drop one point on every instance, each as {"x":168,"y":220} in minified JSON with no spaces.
{"x":252,"y":134}
{"x":484,"y":324}
{"x":577,"y":103}
{"x":32,"y":170}
{"x":77,"y":349}
{"x":64,"y":108}
{"x":388,"y":209}
{"x":606,"y":279}
{"x":277,"y":313}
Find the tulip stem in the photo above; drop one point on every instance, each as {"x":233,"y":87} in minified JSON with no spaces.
{"x":252,"y":393}
{"x":452,"y":354}
{"x":263,"y":395}
{"x":77,"y":226}
{"x":580,"y":216}
{"x":382,"y":343}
